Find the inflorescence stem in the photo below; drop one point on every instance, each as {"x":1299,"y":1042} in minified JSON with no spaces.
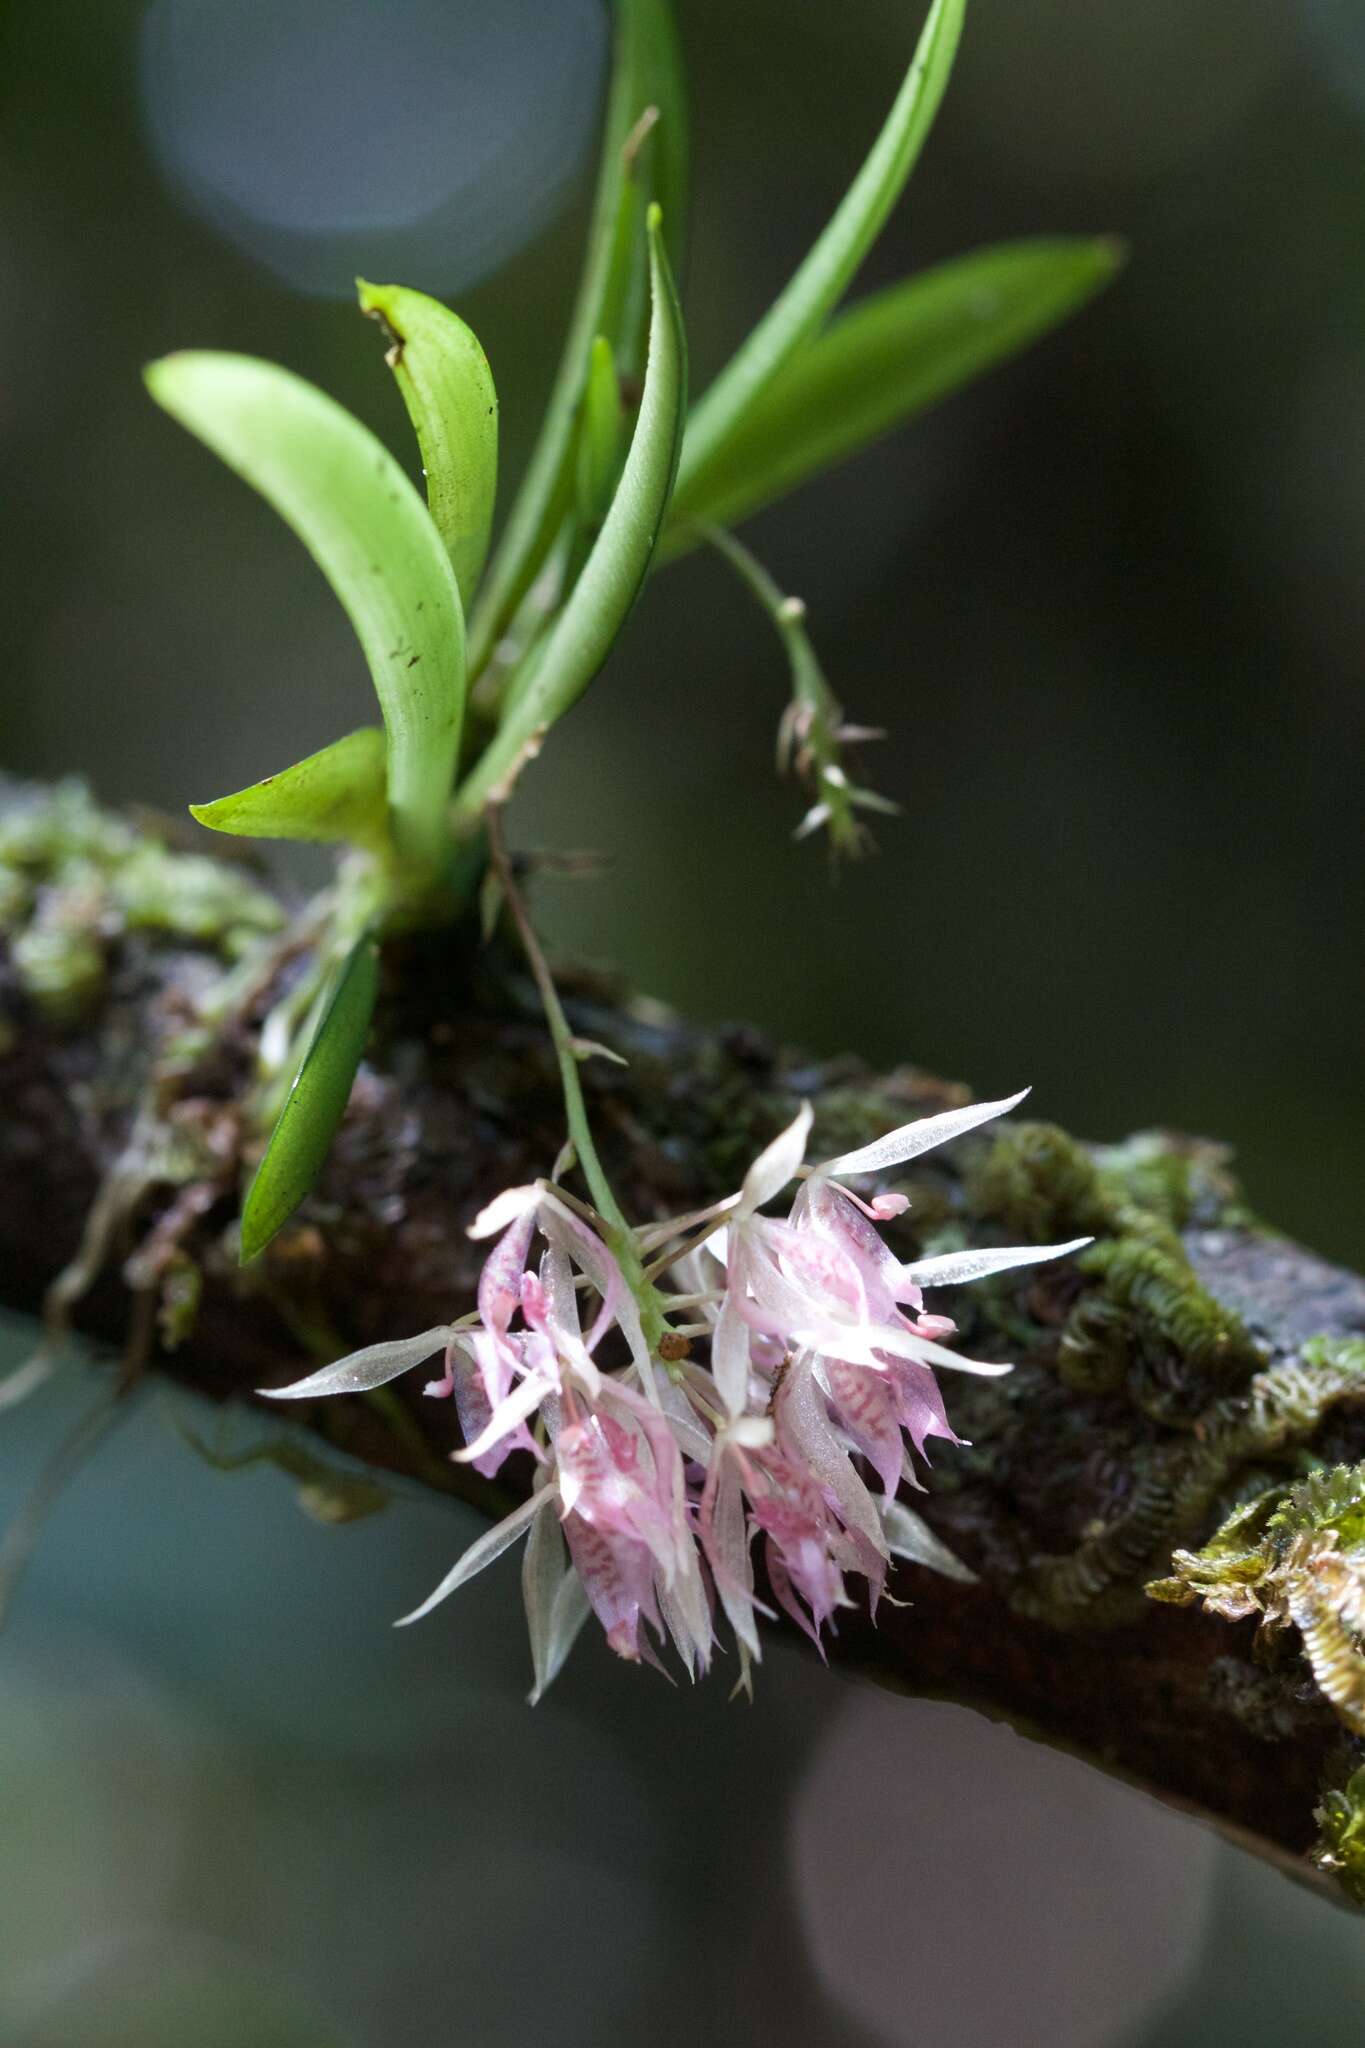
{"x":618,"y":1232}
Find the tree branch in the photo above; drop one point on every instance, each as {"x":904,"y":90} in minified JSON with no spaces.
{"x":1177,"y":1369}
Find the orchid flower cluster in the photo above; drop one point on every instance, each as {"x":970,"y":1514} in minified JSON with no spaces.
{"x":655,"y":1479}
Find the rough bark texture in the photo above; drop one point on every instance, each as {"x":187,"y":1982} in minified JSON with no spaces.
{"x":1160,"y":1379}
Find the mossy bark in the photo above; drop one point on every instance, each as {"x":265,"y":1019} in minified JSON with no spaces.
{"x":1191,"y":1358}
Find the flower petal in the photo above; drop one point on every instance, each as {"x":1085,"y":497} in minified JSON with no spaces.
{"x":500,"y":1281}
{"x":804,"y":1423}
{"x":861,"y":1347}
{"x":727,"y":1548}
{"x":514,"y":1408}
{"x":730,"y":1358}
{"x":693,"y":1438}
{"x":502,"y":1210}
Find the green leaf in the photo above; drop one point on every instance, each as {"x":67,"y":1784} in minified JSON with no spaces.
{"x":612,"y":297}
{"x":447,"y":388}
{"x":597,"y":607}
{"x":890,"y":358}
{"x":599,"y":437}
{"x":831,"y":265}
{"x":315,"y":1103}
{"x":336,"y":794}
{"x":370,"y":534}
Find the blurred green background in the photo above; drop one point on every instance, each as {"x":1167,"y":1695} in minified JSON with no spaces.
{"x":1110,"y":606}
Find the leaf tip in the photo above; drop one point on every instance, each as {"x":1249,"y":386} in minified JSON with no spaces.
{"x":251,"y":1246}
{"x":158,"y":375}
{"x":258,"y":1224}
{"x":1111,"y":254}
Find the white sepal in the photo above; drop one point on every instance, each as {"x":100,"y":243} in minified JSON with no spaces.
{"x":910,"y":1537}
{"x":777,"y":1163}
{"x":730,"y":1358}
{"x":953,"y":1268}
{"x":921,"y":1136}
{"x":556,"y":1605}
{"x":361,"y":1371}
{"x":480,"y":1553}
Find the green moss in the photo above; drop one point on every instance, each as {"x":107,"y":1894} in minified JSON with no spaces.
{"x":74,"y":880}
{"x":1176,"y":1482}
{"x":1170,"y":1179}
{"x":1039,"y":1184}
{"x":1292,"y":1555}
{"x":191,"y":898}
{"x":1340,"y":1849}
{"x":1037,"y":1181}
{"x":1156,"y":1323}
{"x":59,"y":957}
{"x":182,"y":1287}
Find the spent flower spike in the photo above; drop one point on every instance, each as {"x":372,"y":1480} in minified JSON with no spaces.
{"x":655,"y":1476}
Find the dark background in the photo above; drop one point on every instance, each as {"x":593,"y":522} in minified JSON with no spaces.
{"x":1109,"y":604}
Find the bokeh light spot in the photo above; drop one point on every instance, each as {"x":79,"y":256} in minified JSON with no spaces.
{"x":958,"y":1884}
{"x":421,"y":138}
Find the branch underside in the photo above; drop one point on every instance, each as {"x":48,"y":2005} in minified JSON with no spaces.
{"x":1190,"y":1362}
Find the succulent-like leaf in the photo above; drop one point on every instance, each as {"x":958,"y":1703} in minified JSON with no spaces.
{"x":339,"y":793}
{"x":829,"y":268}
{"x":447,"y":388}
{"x":599,"y":435}
{"x":886,"y":360}
{"x":613,"y":299}
{"x":315,"y":1104}
{"x":370,"y":534}
{"x":600,"y":601}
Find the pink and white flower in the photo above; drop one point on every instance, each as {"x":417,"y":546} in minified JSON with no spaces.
{"x":657,"y":1477}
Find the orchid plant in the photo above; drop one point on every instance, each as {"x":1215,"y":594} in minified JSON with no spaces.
{"x":475,"y":656}
{"x":681,"y":1387}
